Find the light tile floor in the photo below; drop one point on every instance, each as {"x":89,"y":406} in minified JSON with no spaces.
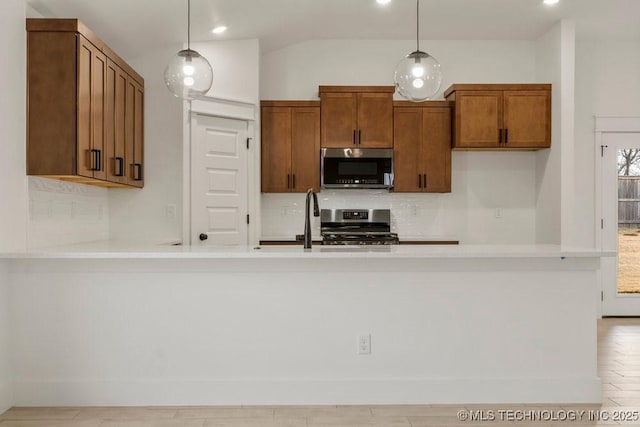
{"x":618,"y":364}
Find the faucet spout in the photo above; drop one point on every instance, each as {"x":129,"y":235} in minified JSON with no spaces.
{"x":307,"y":220}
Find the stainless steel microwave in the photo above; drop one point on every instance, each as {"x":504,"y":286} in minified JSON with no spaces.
{"x":357,"y":168}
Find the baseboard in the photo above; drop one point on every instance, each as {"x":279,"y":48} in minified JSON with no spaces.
{"x":307,"y":392}
{"x":6,"y":400}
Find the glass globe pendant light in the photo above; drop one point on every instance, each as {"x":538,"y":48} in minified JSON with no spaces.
{"x":418,"y":75}
{"x":188,"y":74}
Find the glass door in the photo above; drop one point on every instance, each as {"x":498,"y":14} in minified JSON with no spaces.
{"x":621,"y":224}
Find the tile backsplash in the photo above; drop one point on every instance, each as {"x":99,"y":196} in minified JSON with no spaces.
{"x":412,"y":215}
{"x":63,"y":213}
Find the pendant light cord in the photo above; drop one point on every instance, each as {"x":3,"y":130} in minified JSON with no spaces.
{"x":418,"y":25}
{"x":188,"y":24}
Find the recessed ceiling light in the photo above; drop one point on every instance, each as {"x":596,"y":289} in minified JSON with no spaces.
{"x":383,"y":1}
{"x":551,"y":2}
{"x":219,"y":29}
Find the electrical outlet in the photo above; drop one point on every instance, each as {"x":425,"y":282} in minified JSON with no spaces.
{"x":283,"y":211}
{"x":364,"y":344}
{"x":498,"y":213}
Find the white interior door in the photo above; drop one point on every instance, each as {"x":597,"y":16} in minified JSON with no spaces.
{"x":620,"y":224}
{"x":219,"y":191}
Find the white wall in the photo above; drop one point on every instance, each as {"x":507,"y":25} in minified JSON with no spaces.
{"x":271,"y":331}
{"x":6,"y":392}
{"x":481,"y":182}
{"x":236,"y":68}
{"x":13,"y":181}
{"x":296,"y":71}
{"x":555,"y":64}
{"x":607,"y":84}
{"x":141,"y":215}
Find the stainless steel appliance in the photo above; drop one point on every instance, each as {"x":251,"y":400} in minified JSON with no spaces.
{"x":357,"y":227}
{"x":357,"y":168}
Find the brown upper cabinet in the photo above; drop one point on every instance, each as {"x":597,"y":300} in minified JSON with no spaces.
{"x":501,"y":116}
{"x":290,"y":146}
{"x":422,"y":147}
{"x":84,"y":107}
{"x":359,"y":116}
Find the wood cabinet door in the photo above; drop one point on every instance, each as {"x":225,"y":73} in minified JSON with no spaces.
{"x":276,"y":149}
{"x":375,"y":120}
{"x":91,"y":79}
{"x":98,"y":83}
{"x":436,"y":149}
{"x":339,"y":119}
{"x":85,"y":157}
{"x":134,"y":133}
{"x":407,"y":136}
{"x":305,"y":149}
{"x":138,"y":136}
{"x":478,"y":119}
{"x":115,"y":121}
{"x":527,"y":119}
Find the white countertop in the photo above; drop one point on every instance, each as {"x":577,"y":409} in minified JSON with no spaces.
{"x":116,"y":250}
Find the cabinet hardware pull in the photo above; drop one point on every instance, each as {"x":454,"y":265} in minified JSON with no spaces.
{"x":500,"y":136}
{"x":354,"y":137}
{"x":419,"y":181}
{"x":119,"y":166}
{"x":288,"y":180}
{"x":359,"y":137}
{"x":294,"y":181}
{"x":424,"y":180}
{"x":203,"y":237}
{"x":137,"y":169}
{"x":506,"y":136}
{"x":95,"y":160}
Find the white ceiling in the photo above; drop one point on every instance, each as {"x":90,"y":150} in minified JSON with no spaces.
{"x":132,"y":26}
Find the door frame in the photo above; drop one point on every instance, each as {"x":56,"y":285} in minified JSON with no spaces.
{"x":603,"y":126}
{"x":227,"y":109}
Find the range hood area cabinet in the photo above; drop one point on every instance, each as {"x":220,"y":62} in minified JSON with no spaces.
{"x":290,"y":146}
{"x":357,"y":116}
{"x":84,"y":108}
{"x":422,"y":147}
{"x":501,"y":116}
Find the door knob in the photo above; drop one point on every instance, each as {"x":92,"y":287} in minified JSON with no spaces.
{"x":203,"y":236}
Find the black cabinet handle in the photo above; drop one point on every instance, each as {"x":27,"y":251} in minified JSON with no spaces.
{"x":506,"y":136}
{"x":203,"y":237}
{"x":119,"y":166}
{"x":95,"y":160}
{"x":137,"y":172}
{"x":500,"y":136}
{"x":424,"y":180}
{"x":359,"y":136}
{"x":294,"y":181}
{"x":354,"y":137}
{"x":419,"y":181}
{"x":288,"y":181}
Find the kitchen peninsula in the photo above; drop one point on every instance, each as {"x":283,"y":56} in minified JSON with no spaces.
{"x":103,"y":324}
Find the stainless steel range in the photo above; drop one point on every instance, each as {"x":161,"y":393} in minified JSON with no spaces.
{"x":357,"y":227}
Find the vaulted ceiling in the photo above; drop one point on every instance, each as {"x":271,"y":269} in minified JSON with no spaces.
{"x":132,"y":26}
